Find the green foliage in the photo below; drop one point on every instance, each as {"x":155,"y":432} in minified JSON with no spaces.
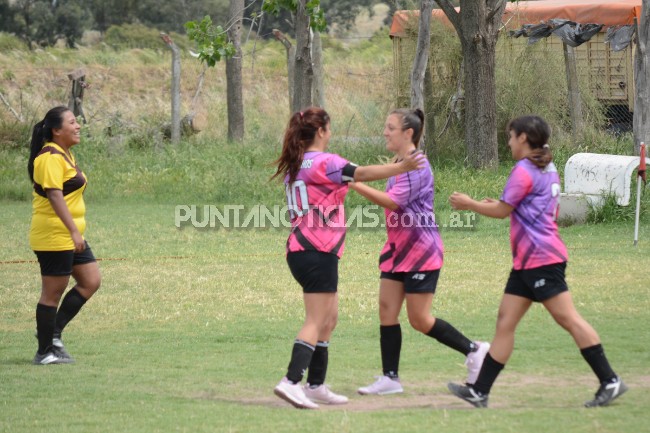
{"x":344,"y":12}
{"x":14,"y":135}
{"x":70,"y":19}
{"x":44,"y":22}
{"x":212,"y":42}
{"x":168,"y":16}
{"x":609,"y":211}
{"x":10,"y":42}
{"x":314,"y":11}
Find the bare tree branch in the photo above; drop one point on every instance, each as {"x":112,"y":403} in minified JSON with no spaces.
{"x":493,"y":11}
{"x":16,"y":115}
{"x":450,"y":11}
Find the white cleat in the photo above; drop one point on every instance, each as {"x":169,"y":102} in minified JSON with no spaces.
{"x":293,"y":394}
{"x":384,"y":385}
{"x":322,"y":394}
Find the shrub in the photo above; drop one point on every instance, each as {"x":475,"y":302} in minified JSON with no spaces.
{"x":10,"y":42}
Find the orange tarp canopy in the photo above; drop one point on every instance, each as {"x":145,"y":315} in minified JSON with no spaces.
{"x":606,"y":12}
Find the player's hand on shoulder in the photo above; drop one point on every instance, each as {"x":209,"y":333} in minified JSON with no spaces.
{"x":414,"y":161}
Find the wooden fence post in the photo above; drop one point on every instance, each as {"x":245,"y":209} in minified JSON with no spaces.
{"x":176,"y":88}
{"x":78,"y":78}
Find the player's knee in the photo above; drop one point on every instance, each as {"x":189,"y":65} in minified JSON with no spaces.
{"x":420,"y":324}
{"x":89,"y":287}
{"x":566,"y":321}
{"x":505,"y":324}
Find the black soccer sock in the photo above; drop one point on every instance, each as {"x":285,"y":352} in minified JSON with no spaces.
{"x":300,"y":360}
{"x":45,"y":318}
{"x":318,"y":366}
{"x":390,"y":341}
{"x":595,"y":357}
{"x":446,"y":334}
{"x":72,"y":303}
{"x":489,"y":372}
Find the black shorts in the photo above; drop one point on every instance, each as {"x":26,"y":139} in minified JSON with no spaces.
{"x":538,"y":284}
{"x":60,"y":263}
{"x":315,"y":271}
{"x":415,"y":282}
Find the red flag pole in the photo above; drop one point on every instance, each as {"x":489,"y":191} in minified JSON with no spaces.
{"x":641,"y":177}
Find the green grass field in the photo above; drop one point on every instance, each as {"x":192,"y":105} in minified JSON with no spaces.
{"x":192,"y":329}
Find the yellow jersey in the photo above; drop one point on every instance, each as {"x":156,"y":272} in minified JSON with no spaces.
{"x":54,"y":169}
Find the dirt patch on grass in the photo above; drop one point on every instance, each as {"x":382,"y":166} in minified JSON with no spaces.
{"x":514,"y":391}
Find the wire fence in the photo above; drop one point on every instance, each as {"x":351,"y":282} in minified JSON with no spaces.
{"x":530,"y":78}
{"x":130,"y":91}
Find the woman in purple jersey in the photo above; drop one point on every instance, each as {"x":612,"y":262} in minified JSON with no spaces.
{"x":411,"y":259}
{"x":316,"y":183}
{"x":530,"y":198}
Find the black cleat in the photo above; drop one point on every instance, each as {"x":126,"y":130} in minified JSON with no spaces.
{"x":607,"y":393}
{"x":468,"y":394}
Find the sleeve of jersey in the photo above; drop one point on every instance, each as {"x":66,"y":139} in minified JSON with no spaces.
{"x":339,"y":170}
{"x":400,"y":193}
{"x":519,"y":184}
{"x":51,"y":169}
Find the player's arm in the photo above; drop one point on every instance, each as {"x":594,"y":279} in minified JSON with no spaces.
{"x":488,"y":207}
{"x":410,"y":162}
{"x":374,"y":195}
{"x":55,"y":197}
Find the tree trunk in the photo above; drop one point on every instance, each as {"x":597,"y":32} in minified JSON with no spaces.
{"x":480,"y":106}
{"x":575,"y":100}
{"x":642,"y":80}
{"x":175,"y":88}
{"x":318,"y":89}
{"x":419,"y":71}
{"x":421,"y":55}
{"x":429,"y":136}
{"x":477,"y":24}
{"x":234,"y":74}
{"x":303,"y":73}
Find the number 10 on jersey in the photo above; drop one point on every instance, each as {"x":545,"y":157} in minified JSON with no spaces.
{"x":297,"y":208}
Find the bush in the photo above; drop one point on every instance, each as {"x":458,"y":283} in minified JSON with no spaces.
{"x":14,"y":135}
{"x":10,"y":42}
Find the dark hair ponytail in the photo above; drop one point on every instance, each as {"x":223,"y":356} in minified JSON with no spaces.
{"x":42,"y":133}
{"x":412,"y":119}
{"x":537,"y":133}
{"x":299,"y":135}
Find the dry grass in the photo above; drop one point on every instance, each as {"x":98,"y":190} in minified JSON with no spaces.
{"x":132,"y":88}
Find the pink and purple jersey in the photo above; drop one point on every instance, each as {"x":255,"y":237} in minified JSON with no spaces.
{"x":315,"y":200}
{"x":534,"y":194}
{"x":413,"y":243}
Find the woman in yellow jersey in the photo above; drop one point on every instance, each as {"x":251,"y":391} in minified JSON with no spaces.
{"x":56,"y":233}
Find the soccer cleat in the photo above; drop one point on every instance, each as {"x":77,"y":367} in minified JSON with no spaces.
{"x":468,"y":394}
{"x":59,"y":350}
{"x":322,"y":394}
{"x":47,"y":358}
{"x":382,"y":386}
{"x":607,"y":392}
{"x":474,"y":361}
{"x":293,"y":394}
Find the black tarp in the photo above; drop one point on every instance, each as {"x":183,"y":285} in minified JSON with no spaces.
{"x":620,"y":37}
